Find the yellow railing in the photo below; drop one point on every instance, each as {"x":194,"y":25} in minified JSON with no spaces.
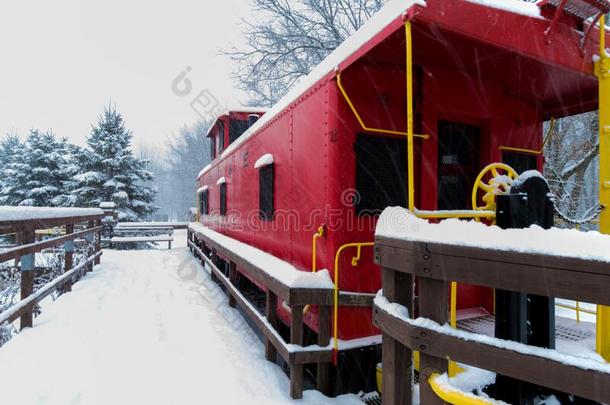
{"x":547,"y":137}
{"x":359,"y":246}
{"x":455,"y":396}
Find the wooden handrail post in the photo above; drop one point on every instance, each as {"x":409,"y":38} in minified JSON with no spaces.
{"x":89,"y":238}
{"x":28,"y":264}
{"x":296,"y":337}
{"x":433,"y":304}
{"x":69,"y":257}
{"x":233,"y":279}
{"x":98,"y":241}
{"x":397,"y":359}
{"x":271,"y":314}
{"x":323,"y":369}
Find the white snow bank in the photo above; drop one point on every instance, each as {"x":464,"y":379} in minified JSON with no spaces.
{"x":221,"y":180}
{"x":514,"y":6}
{"x":202,"y":189}
{"x":397,"y":222}
{"x":282,"y":271}
{"x":185,"y":346}
{"x":585,"y":363}
{"x":264,"y":160}
{"x":28,"y":213}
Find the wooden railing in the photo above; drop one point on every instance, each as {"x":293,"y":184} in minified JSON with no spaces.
{"x":24,"y":254}
{"x":435,"y":265}
{"x":293,"y":353}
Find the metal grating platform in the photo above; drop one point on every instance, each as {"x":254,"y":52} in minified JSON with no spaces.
{"x":486,"y":324}
{"x":583,"y":9}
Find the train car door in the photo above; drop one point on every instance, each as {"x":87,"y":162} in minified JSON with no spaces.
{"x":458,"y":164}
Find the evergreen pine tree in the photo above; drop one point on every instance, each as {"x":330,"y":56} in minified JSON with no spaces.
{"x":43,"y":161}
{"x":12,"y":171}
{"x":112,"y":172}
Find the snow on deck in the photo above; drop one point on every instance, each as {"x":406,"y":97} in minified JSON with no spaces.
{"x":146,"y":327}
{"x":28,"y":213}
{"x":396,"y":222}
{"x":280,"y":270}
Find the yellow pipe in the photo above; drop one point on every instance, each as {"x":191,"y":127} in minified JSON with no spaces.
{"x":319,"y":233}
{"x":547,"y":137}
{"x":578,"y":311}
{"x":350,"y":103}
{"x":454,"y":214}
{"x":603,"y":72}
{"x":410,"y":153}
{"x":336,"y":292}
{"x":314,"y":257}
{"x":453,"y":323}
{"x":455,"y":396}
{"x":577,"y":308}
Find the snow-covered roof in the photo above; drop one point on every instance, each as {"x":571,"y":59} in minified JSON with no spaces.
{"x":29,"y":213}
{"x":282,"y":271}
{"x":397,"y":222}
{"x":514,"y":6}
{"x":221,"y":180}
{"x":264,"y":160}
{"x":204,"y":170}
{"x":236,"y":109}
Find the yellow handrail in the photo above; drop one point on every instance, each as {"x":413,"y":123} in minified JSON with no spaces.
{"x":319,"y":233}
{"x":455,"y":396}
{"x":547,"y":137}
{"x":352,"y":107}
{"x":314,"y":257}
{"x":358,"y":245}
{"x":410,"y":152}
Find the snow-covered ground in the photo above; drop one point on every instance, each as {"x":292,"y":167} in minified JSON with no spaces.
{"x":147,"y":327}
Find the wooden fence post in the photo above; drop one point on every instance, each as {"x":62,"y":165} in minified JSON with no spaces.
{"x":69,"y":257}
{"x":397,"y":358}
{"x":89,"y":238}
{"x":323,"y":369}
{"x":432,"y":305}
{"x":233,"y":280}
{"x":271,"y":314}
{"x":28,"y":264}
{"x":296,"y":337}
{"x":98,"y":240}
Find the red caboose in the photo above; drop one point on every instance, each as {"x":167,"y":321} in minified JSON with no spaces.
{"x":456,"y":85}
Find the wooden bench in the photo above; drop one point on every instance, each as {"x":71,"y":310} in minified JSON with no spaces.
{"x":115,"y":240}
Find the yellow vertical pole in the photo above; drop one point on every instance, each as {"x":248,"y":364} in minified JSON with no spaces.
{"x":453,"y":322}
{"x":603,"y":72}
{"x":410,"y":130}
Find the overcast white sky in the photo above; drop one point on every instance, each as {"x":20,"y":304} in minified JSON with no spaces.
{"x":62,"y":61}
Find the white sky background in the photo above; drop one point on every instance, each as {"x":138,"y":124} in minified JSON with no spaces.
{"x":62,"y":61}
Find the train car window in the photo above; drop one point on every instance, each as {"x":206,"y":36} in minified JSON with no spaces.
{"x":204,"y":202}
{"x":221,"y":136}
{"x":521,"y":162}
{"x":212,"y":147}
{"x":266,"y":192}
{"x":458,"y":164}
{"x":381,"y":173}
{"x":223,"y":199}
{"x":236,"y":129}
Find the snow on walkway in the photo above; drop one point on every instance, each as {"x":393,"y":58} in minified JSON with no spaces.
{"x":147,"y":327}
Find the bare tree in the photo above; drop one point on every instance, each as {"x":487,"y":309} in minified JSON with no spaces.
{"x":572,"y":165}
{"x":289,"y":38}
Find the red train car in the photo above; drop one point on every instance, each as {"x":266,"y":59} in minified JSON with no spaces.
{"x":333,"y":153}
